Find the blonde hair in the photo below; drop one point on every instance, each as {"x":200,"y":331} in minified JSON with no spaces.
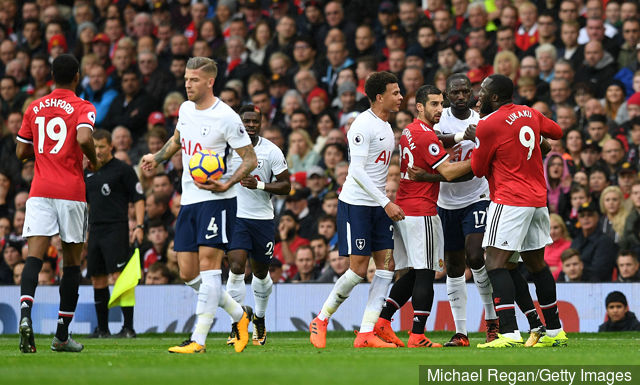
{"x":171,"y":97}
{"x":620,"y":217}
{"x":307,"y":140}
{"x":203,"y":63}
{"x":558,"y":219}
{"x":515,"y":63}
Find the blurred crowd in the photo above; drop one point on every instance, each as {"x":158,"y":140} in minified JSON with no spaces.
{"x":303,"y":63}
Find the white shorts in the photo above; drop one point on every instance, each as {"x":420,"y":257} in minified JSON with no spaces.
{"x":517,"y":228}
{"x":419,"y":243}
{"x":48,"y":216}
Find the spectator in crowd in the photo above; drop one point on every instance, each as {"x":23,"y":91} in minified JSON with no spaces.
{"x":301,"y":155}
{"x":276,"y":271}
{"x":628,"y":266}
{"x":288,"y":242}
{"x":561,"y":242}
{"x":11,"y":98}
{"x":572,"y":267}
{"x":157,"y":274}
{"x":558,"y":182}
{"x":630,"y":237}
{"x":619,"y":317}
{"x":297,"y":202}
{"x":132,"y":107}
{"x":158,"y":235}
{"x":321,"y":249}
{"x":11,"y":256}
{"x":305,"y":265}
{"x":597,"y":251}
{"x":17,"y":273}
{"x":614,"y":214}
{"x":337,"y":266}
{"x":47,"y":274}
{"x":99,"y":94}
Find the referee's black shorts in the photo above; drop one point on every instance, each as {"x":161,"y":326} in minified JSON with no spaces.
{"x":108,"y":249}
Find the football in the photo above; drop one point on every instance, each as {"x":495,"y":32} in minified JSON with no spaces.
{"x":206,"y":164}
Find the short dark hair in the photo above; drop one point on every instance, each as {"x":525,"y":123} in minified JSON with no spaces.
{"x":501,"y":86}
{"x":156,"y":223}
{"x":300,"y":111}
{"x":232,"y":90}
{"x":65,"y":68}
{"x":628,"y":253}
{"x":326,"y":218}
{"x":320,"y":237}
{"x":9,"y":77}
{"x":377,"y":84}
{"x":422,"y":95}
{"x":100,"y":134}
{"x":458,"y":76}
{"x":162,"y":268}
{"x":368,"y":61}
{"x":131,"y":71}
{"x":249,"y":108}
{"x":569,"y":253}
{"x":598,"y":118}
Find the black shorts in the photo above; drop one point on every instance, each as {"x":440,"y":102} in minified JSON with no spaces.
{"x":108,"y":249}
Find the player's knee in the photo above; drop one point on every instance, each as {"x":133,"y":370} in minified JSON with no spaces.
{"x":236,"y":268}
{"x":99,"y":281}
{"x":475,"y":260}
{"x":535,"y":266}
{"x":187,"y":275}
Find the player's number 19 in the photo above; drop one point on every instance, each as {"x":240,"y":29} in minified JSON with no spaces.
{"x":528,"y":142}
{"x":59,"y":137}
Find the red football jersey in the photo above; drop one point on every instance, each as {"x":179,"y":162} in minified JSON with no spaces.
{"x":50,"y":124}
{"x":420,"y":147}
{"x":508,"y":154}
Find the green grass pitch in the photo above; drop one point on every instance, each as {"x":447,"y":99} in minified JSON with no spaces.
{"x":288,"y":358}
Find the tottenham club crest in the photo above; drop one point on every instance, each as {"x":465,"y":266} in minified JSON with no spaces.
{"x":434,"y":149}
{"x":360,"y":243}
{"x":105,"y":190}
{"x":260,"y":164}
{"x":205,"y":130}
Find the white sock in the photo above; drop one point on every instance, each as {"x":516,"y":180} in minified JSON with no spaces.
{"x":208,"y":294}
{"x":481,"y":278}
{"x":339,"y":293}
{"x":195,"y":283}
{"x":236,"y":287}
{"x":261,"y":292}
{"x":513,"y":335}
{"x":553,"y":332}
{"x":232,"y":308}
{"x":377,"y":293}
{"x":457,"y":293}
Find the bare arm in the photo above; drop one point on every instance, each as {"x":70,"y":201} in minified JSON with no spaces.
{"x":138,"y":233}
{"x":450,"y":140}
{"x":84,"y":137}
{"x":281,"y":186}
{"x":545,"y":147}
{"x":420,"y":175}
{"x":151,"y":161}
{"x":455,"y":170}
{"x":249,"y":163}
{"x":24,"y":150}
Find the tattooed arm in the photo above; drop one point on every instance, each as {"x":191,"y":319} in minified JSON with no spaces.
{"x":151,"y":161}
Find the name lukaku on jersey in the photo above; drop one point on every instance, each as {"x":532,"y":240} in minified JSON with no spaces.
{"x":60,"y":103}
{"x":517,"y":115}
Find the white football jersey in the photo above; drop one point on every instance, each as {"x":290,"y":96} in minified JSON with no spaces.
{"x":459,"y":195}
{"x":372,"y":137}
{"x":256,"y":204}
{"x":218,"y":129}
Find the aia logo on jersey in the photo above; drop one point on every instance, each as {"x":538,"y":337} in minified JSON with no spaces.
{"x":205,"y":130}
{"x":190,"y":148}
{"x":384,"y":157}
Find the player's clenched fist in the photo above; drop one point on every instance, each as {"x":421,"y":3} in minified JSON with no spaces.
{"x":394,"y":211}
{"x":148,"y":162}
{"x":470,"y":132}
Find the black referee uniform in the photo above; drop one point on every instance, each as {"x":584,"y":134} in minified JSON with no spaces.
{"x":109,"y":192}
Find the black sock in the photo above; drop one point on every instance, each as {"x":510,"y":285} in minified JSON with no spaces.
{"x":503,"y":299}
{"x":523,"y":299}
{"x":546,"y":291}
{"x":399,"y":295}
{"x":101,"y":300}
{"x":68,"y":299}
{"x":28,"y":284}
{"x":422,"y":299}
{"x":127,"y":313}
